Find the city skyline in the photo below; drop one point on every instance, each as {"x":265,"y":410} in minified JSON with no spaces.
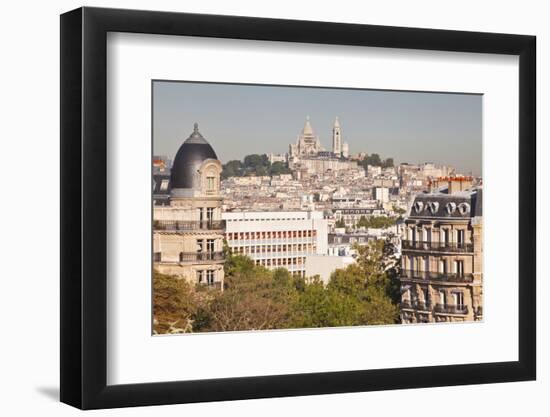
{"x":237,"y":119}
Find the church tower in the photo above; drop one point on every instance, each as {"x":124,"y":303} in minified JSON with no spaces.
{"x":337,"y":138}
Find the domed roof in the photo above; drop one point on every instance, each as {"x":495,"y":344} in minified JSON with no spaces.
{"x":307,"y":130}
{"x":189,"y":157}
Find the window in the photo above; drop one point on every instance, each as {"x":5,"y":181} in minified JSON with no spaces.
{"x":200,"y":245}
{"x":459,"y":266}
{"x":443,"y":266}
{"x":210,"y":245}
{"x":164,"y":185}
{"x":210,"y":214}
{"x":200,"y":277}
{"x":210,"y":277}
{"x":157,"y":257}
{"x":442,"y":298}
{"x":459,"y":299}
{"x":460,"y":237}
{"x":210,"y":183}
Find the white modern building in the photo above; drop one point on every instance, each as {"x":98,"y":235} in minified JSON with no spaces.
{"x":325,"y":265}
{"x":277,"y":239}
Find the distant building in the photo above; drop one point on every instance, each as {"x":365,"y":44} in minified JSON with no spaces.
{"x":308,"y":156}
{"x":341,"y":244}
{"x":282,"y":157}
{"x":442,"y":255}
{"x":381,"y":194}
{"x":187,"y":229}
{"x":277,"y":239}
{"x":308,"y":144}
{"x":325,"y":265}
{"x":161,"y":164}
{"x":161,"y":189}
{"x":350,"y":216}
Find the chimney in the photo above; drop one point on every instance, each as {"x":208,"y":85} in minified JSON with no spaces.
{"x":459,"y":183}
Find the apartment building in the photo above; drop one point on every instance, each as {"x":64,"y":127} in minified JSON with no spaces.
{"x":442,"y":254}
{"x":188,"y":230}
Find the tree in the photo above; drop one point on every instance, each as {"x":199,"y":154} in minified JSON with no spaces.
{"x":278,"y":168}
{"x":174,"y":304}
{"x":373,"y":159}
{"x":252,"y":300}
{"x":255,"y":298}
{"x":388,"y":163}
{"x":318,"y":306}
{"x":340,"y":223}
{"x":376,"y":222}
{"x":232,"y":169}
{"x":253,"y":161}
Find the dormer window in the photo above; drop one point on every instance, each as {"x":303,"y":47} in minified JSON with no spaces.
{"x":433,"y":206}
{"x":418,"y":206}
{"x":450,"y":207}
{"x":210,"y":183}
{"x":464,"y":208}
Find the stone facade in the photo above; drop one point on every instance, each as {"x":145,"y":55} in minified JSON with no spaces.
{"x":188,"y":232}
{"x":442,"y":257}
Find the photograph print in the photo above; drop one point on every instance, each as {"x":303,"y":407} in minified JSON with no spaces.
{"x":290,"y":207}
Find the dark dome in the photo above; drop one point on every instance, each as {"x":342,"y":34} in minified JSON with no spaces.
{"x":188,"y":159}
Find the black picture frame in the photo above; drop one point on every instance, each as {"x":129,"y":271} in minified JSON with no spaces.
{"x":84,"y":207}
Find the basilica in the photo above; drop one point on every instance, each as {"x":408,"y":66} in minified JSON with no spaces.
{"x":307,"y":155}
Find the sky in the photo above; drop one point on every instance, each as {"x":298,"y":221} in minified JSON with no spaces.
{"x":238,"y":120}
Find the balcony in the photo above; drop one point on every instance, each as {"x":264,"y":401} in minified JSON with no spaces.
{"x":187,"y":225}
{"x":422,"y":306}
{"x":416,"y":305}
{"x":216,"y":285}
{"x":201,"y":257}
{"x":457,"y":247}
{"x":437,"y":276}
{"x":451,"y":309}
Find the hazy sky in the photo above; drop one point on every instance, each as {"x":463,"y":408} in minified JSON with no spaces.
{"x":239,"y":120}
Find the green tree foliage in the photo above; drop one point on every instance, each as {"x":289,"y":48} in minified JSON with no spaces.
{"x":376,"y":161}
{"x":376,"y":222}
{"x":255,"y":298}
{"x":174,"y":304}
{"x":254,"y":165}
{"x":278,"y":168}
{"x":232,"y":169}
{"x":340,"y":223}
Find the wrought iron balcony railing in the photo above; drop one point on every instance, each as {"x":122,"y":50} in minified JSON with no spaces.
{"x":416,"y":305}
{"x":188,"y":225}
{"x":201,"y":257}
{"x":451,"y":309}
{"x":421,"y":305}
{"x":460,"y":247}
{"x":439,"y":276}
